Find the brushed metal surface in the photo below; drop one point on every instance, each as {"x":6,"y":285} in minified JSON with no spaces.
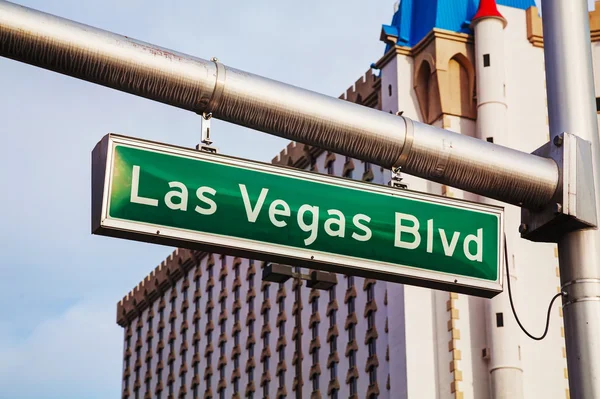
{"x":481,"y":167}
{"x":273,"y":107}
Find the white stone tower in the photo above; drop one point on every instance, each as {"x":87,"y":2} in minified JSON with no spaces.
{"x":503,"y":335}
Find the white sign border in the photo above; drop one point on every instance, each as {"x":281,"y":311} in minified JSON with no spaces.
{"x":305,"y":255}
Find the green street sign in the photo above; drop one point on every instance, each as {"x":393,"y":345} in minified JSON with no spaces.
{"x":181,"y":197}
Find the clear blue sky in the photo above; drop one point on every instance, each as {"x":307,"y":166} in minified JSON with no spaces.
{"x":59,"y":284}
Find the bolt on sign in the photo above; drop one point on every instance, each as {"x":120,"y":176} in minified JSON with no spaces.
{"x":175,"y":196}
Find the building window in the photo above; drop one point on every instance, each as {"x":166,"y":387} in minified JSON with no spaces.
{"x":352,"y":333}
{"x":486,"y":60}
{"x":372,"y":347}
{"x":367,"y":167}
{"x":281,"y":355}
{"x":353,"y":387}
{"x":315,"y":383}
{"x":236,"y":385}
{"x":333,"y":371}
{"x":333,"y":341}
{"x":266,"y":364}
{"x":330,"y":168}
{"x":351,"y":308}
{"x":490,"y":139}
{"x":499,"y":320}
{"x":348,"y":172}
{"x":373,"y":376}
{"x":390,"y":90}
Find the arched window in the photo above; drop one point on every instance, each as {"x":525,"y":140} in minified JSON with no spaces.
{"x":422,"y":88}
{"x":461,"y":85}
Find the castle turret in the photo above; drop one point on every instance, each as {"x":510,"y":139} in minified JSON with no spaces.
{"x":489,"y":25}
{"x":506,"y":373}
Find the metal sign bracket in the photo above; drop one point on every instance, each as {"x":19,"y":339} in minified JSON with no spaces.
{"x":396,"y":180}
{"x":573,"y":206}
{"x":205,"y":140}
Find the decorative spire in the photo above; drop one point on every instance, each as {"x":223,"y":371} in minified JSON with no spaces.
{"x":487,"y":9}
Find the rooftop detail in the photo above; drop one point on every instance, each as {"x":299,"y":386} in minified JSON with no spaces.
{"x":487,"y":8}
{"x":414,"y":19}
{"x":154,"y":284}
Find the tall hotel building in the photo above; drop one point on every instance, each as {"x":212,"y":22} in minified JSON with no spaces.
{"x":204,"y":325}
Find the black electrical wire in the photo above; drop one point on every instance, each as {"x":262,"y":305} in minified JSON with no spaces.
{"x":512,"y":305}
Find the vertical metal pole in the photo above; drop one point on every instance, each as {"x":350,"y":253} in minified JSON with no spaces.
{"x":299,"y":335}
{"x":571,"y":108}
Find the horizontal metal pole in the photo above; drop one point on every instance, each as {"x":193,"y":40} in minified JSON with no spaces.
{"x":276,"y":108}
